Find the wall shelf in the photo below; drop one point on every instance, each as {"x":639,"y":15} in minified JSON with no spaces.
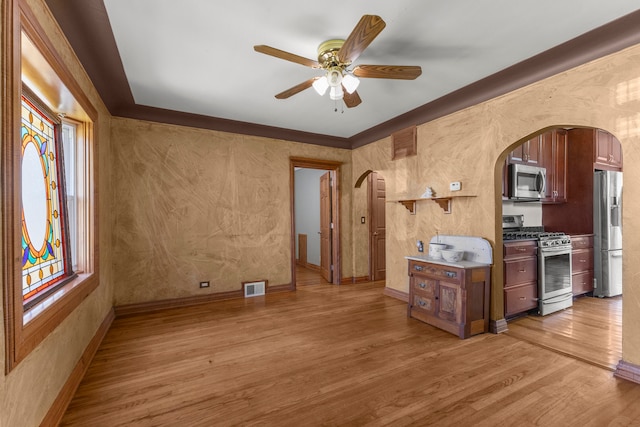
{"x":443,"y":202}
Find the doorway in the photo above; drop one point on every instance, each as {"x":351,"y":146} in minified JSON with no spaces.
{"x":377,"y":226}
{"x":376,"y":201}
{"x":327,"y":232}
{"x":591,"y":329}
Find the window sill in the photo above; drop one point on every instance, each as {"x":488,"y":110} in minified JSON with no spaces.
{"x":50,"y":301}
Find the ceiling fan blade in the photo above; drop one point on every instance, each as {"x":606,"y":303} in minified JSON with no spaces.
{"x":402,"y":72}
{"x":362,"y":35}
{"x":268,"y":50}
{"x":297,"y":88}
{"x":351,"y":99}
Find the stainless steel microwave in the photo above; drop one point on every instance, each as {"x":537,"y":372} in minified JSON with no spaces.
{"x":526,"y":182}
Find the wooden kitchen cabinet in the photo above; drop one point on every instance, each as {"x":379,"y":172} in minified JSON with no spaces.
{"x":450,"y":298}
{"x":520,"y":276}
{"x":582,"y":264}
{"x":607,"y":151}
{"x":553,"y":157}
{"x":527,"y":154}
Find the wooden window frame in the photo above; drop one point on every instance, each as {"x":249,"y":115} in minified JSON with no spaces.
{"x":24,"y":331}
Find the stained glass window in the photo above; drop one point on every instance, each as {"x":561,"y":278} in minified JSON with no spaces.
{"x":44,"y":251}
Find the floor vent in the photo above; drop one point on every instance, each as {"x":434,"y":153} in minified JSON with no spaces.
{"x":254,"y":289}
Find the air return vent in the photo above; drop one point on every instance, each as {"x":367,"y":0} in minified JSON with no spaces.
{"x":254,"y":289}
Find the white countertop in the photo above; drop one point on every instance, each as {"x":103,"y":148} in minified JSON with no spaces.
{"x":440,"y":261}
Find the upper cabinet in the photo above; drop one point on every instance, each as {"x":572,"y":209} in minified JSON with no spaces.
{"x":527,"y":154}
{"x":608,"y":151}
{"x":553,"y":157}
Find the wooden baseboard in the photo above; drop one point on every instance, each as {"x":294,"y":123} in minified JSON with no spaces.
{"x":60,"y":404}
{"x":498,"y":326}
{"x":627,"y":371}
{"x":280,"y":288}
{"x":150,"y":306}
{"x":352,"y":279}
{"x":394,"y":293}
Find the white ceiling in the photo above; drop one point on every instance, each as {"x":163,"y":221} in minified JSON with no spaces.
{"x":196,"y":56}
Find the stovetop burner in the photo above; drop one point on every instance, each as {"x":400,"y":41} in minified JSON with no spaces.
{"x":520,"y":233}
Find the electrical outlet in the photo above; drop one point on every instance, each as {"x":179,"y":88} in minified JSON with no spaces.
{"x":204,"y":284}
{"x":455,"y":186}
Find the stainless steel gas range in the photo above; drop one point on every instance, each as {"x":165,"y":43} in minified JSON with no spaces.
{"x":554,"y":263}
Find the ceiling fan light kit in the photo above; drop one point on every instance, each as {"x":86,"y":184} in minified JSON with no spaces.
{"x":335,"y":55}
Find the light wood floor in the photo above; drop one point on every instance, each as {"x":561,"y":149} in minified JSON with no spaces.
{"x":591,"y":331}
{"x":329,"y":355}
{"x":307,"y":276}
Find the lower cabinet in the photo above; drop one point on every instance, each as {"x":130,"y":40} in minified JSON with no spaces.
{"x":449,"y":298}
{"x":520,"y":276}
{"x":582,"y":264}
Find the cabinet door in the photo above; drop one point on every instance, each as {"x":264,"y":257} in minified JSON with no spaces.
{"x":581,"y":260}
{"x":602,"y":144}
{"x":521,"y":270}
{"x":449,"y":302}
{"x":532,"y":147}
{"x":582,"y":282}
{"x":553,"y":157}
{"x":518,"y":154}
{"x":607,"y":151}
{"x":616,"y":152}
{"x":546,"y":161}
{"x":560,"y":165}
{"x":521,"y":298}
{"x":527,"y":154}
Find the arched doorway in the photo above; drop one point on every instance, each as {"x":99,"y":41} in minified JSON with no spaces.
{"x":376,"y":219}
{"x":591,"y":329}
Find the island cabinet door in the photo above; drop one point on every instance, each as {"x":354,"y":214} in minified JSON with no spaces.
{"x":449,"y":301}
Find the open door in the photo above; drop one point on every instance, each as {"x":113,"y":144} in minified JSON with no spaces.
{"x":377,"y":251}
{"x":325,"y":226}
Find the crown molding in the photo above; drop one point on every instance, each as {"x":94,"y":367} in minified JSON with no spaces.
{"x":86,"y":26}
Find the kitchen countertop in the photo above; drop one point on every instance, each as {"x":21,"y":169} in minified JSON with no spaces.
{"x":440,"y":261}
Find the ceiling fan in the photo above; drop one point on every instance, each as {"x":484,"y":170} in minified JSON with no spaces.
{"x":335,"y":56}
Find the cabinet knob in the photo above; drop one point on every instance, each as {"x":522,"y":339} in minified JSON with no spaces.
{"x":523,"y":298}
{"x":418,"y":268}
{"x":422,"y":285}
{"x":524,"y":270}
{"x":421,"y":303}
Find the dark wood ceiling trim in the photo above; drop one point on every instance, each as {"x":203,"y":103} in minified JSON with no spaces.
{"x":86,"y":25}
{"x":607,"y":39}
{"x":142,"y":112}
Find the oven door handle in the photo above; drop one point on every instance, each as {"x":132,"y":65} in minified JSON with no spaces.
{"x":556,"y":250}
{"x":559,"y":298}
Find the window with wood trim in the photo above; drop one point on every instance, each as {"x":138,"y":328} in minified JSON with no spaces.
{"x":404,"y":143}
{"x":45,"y":232}
{"x":48,"y":171}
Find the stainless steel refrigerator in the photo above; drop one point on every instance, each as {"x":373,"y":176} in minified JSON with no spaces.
{"x":607,"y":230}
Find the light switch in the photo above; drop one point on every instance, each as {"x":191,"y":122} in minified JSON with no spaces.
{"x":362,"y":220}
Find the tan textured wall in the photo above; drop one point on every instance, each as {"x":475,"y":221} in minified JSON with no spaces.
{"x":196,"y":205}
{"x":465,"y":146}
{"x":29,"y":390}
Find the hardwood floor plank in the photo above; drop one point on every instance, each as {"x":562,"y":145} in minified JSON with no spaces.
{"x":333,"y":355}
{"x":590,"y":330}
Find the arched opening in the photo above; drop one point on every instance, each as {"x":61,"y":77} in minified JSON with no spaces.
{"x":373,"y":223}
{"x":581,"y":201}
